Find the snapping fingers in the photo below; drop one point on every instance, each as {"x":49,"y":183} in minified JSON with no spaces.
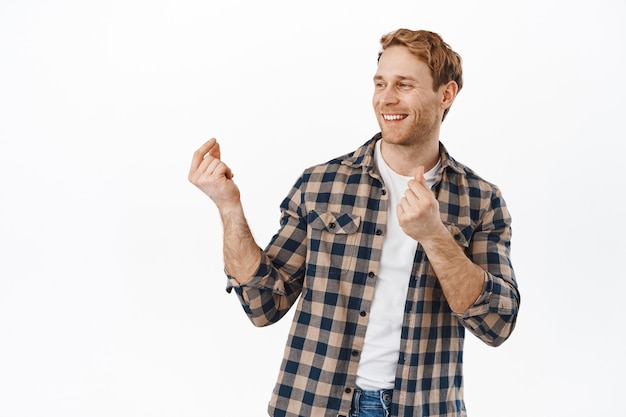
{"x":208,"y":158}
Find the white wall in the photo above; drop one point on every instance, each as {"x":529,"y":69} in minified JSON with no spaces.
{"x":112,"y":297}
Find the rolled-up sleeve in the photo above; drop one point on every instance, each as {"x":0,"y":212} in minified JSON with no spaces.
{"x":269,"y":294}
{"x":493,"y":316}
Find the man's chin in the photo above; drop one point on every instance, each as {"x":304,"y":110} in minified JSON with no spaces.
{"x":392,"y":138}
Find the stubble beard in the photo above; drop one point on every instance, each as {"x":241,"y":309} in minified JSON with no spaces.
{"x":416,"y":136}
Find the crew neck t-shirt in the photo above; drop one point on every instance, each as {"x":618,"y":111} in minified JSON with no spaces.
{"x":379,"y":359}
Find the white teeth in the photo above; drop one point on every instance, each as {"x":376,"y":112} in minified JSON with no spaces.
{"x":393,"y":116}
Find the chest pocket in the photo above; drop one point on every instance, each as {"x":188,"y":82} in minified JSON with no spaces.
{"x":333,"y":243}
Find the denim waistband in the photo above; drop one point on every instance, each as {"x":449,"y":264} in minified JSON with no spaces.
{"x":380,"y":399}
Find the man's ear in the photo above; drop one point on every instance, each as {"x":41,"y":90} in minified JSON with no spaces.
{"x":449,"y":92}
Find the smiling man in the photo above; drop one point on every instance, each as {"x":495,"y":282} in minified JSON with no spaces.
{"x":391,"y":253}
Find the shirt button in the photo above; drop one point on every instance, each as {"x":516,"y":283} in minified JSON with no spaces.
{"x":348,"y":390}
{"x":379,"y":232}
{"x":331,"y":225}
{"x":370,"y":274}
{"x":355,"y":353}
{"x":362,"y":313}
{"x":384,"y":192}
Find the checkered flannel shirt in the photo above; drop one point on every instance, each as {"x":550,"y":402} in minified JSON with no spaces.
{"x":325,"y":257}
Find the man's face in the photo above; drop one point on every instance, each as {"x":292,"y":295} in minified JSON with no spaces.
{"x":408,"y":111}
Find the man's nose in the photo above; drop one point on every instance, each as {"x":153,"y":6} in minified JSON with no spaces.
{"x":388,"y":96}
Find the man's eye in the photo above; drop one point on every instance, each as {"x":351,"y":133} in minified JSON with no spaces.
{"x":404,"y":86}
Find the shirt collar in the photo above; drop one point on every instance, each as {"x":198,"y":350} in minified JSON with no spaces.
{"x":364,"y":156}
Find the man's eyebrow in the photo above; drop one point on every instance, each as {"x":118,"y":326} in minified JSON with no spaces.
{"x":397,"y":77}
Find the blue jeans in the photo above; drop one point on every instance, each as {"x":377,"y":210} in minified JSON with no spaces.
{"x":371,"y":403}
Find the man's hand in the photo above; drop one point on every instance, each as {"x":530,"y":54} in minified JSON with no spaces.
{"x":242,"y":255}
{"x":418,"y":211}
{"x":212,"y":176}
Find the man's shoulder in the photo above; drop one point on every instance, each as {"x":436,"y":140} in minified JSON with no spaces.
{"x":465,"y":173}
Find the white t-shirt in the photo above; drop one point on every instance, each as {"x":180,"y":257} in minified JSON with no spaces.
{"x":379,"y":359}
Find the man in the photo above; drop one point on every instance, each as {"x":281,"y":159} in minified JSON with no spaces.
{"x":391,"y":253}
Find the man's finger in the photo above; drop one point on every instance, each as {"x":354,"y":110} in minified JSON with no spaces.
{"x":198,"y":155}
{"x":214,"y":151}
{"x":418,"y":183}
{"x":419,"y":175}
{"x":410,"y":198}
{"x":215,"y":167}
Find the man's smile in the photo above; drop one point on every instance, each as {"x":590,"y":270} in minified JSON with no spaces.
{"x":394,"y":117}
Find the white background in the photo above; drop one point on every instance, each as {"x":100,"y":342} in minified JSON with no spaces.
{"x":112,"y":298}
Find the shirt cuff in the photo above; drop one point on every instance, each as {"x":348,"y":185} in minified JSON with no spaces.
{"x":258,"y":275}
{"x":481,"y":305}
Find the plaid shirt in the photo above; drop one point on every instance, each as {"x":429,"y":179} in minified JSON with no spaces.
{"x":326,"y":256}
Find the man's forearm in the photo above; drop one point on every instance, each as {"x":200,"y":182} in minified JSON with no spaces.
{"x":462,"y":281}
{"x":241,"y":252}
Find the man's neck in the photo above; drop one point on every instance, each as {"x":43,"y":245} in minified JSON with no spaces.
{"x":405,"y":159}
